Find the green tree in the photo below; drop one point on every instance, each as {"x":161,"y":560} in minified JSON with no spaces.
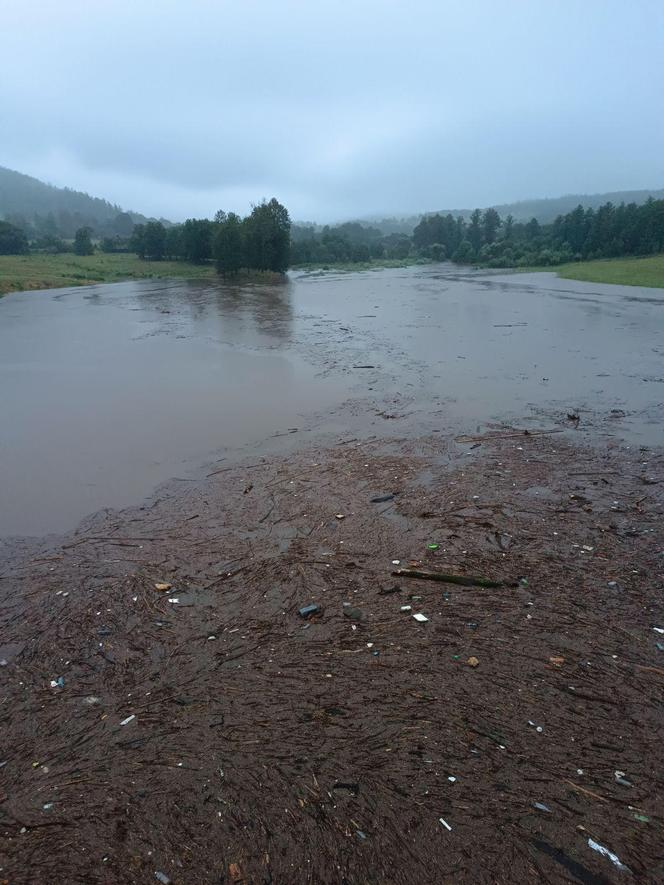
{"x":267,"y":237}
{"x":155,"y":240}
{"x":490,"y":223}
{"x":197,"y":240}
{"x":474,"y":232}
{"x":13,"y":240}
{"x":83,"y":242}
{"x":465,"y":253}
{"x":228,"y":246}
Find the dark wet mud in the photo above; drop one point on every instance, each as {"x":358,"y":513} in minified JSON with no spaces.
{"x":209,"y":733}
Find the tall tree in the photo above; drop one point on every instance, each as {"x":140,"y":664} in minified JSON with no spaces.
{"x":491,"y":223}
{"x":228,"y":245}
{"x":83,"y":242}
{"x":267,"y":233}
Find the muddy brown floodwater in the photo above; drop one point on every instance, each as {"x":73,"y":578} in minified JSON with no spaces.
{"x":206,"y":732}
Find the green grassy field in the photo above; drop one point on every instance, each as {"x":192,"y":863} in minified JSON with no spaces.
{"x":19,"y":272}
{"x":623,"y":271}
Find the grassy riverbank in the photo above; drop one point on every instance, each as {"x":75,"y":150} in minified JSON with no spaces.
{"x":622,"y":271}
{"x":21,"y":272}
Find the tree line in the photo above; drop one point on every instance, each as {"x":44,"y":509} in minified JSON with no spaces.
{"x":260,"y":241}
{"x":606,"y":232}
{"x":266,"y":240}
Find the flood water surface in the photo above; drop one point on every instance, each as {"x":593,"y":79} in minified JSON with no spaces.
{"x":109,"y":390}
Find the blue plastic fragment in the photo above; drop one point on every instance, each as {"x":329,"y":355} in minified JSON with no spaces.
{"x":308,"y":610}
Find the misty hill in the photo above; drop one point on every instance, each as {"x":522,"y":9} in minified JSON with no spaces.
{"x":545,"y":209}
{"x":28,"y":202}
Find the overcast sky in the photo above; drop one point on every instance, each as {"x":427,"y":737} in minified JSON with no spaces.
{"x":339,"y":109}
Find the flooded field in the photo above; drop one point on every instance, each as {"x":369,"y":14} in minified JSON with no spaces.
{"x":373,"y":631}
{"x":110,"y":390}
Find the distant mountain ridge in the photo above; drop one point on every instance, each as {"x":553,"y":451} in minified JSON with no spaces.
{"x":22,"y":196}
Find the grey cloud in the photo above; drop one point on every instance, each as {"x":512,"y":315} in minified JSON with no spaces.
{"x":339,"y":109}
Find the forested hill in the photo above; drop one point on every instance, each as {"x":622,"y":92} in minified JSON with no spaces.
{"x":25,"y":200}
{"x":545,"y":209}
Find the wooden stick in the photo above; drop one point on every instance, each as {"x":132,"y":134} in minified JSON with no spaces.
{"x":448,"y":579}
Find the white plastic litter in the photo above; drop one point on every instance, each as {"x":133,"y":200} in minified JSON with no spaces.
{"x":128,"y":719}
{"x":420,"y":617}
{"x":615,"y":860}
{"x":445,"y":824}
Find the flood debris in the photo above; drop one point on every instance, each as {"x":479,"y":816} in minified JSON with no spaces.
{"x":307,"y":611}
{"x":58,"y":683}
{"x":461,"y":580}
{"x":356,"y":614}
{"x":420,"y":618}
{"x":445,"y":824}
{"x":128,"y":719}
{"x":621,"y":779}
{"x":615,"y":860}
{"x":386,"y":591}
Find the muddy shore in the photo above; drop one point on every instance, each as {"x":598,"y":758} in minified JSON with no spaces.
{"x":209,"y":733}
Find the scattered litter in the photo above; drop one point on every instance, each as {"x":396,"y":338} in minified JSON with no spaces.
{"x":375,"y":653}
{"x":538,"y":728}
{"x":445,"y":824}
{"x":58,"y":683}
{"x":659,"y":646}
{"x":451,"y":779}
{"x":406,"y":608}
{"x":541,"y":807}
{"x":128,"y":719}
{"x":586,"y":547}
{"x":211,"y":637}
{"x":3,"y":662}
{"x":658,"y":629}
{"x":339,"y":516}
{"x":369,"y":644}
{"x":162,"y":877}
{"x":308,"y":610}
{"x":174,"y":600}
{"x":433,"y":546}
{"x":47,"y":806}
{"x":557,"y":660}
{"x":360,"y":835}
{"x":163,"y":586}
{"x":643,"y":818}
{"x":473,"y":662}
{"x":420,"y":617}
{"x":620,"y":779}
{"x":615,"y":860}
{"x":382,"y":498}
{"x":92,"y":700}
{"x":396,"y":562}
